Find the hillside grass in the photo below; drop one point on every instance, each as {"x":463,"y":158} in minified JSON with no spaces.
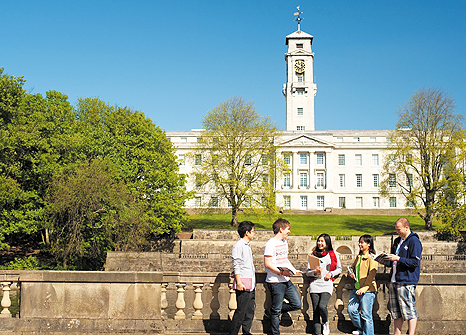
{"x":312,"y":224}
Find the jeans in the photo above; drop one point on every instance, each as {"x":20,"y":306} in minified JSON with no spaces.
{"x":244,"y":313}
{"x":365,"y":303}
{"x":319,"y":310}
{"x":280,"y":291}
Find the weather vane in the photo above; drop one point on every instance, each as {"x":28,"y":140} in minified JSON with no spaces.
{"x":298,"y":18}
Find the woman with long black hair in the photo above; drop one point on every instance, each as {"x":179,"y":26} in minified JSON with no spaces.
{"x":321,"y":286}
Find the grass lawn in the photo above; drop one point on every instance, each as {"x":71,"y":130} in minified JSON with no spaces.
{"x":310,"y":224}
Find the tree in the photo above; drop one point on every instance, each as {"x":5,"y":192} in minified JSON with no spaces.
{"x":235,"y":159}
{"x":428,"y":136}
{"x":91,"y":212}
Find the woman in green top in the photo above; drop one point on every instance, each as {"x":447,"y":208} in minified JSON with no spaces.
{"x":365,"y":288}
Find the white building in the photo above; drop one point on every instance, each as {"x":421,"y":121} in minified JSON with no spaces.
{"x":328,"y":169}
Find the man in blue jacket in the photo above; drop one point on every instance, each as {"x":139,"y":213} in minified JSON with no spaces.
{"x":405,"y":260}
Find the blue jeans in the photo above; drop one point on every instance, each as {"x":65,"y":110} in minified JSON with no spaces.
{"x":280,"y":291}
{"x":365,"y":302}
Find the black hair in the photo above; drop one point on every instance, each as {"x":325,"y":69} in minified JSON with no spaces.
{"x":280,"y":223}
{"x":327,"y":240}
{"x":369,"y":240}
{"x":243,"y":227}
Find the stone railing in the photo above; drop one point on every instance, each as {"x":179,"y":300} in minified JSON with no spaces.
{"x":138,"y":302}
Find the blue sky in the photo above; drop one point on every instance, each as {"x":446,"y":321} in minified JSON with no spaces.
{"x":175,"y":60}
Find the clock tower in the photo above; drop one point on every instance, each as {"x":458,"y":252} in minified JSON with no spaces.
{"x":300,"y":89}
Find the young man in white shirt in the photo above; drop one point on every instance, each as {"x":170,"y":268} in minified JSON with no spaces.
{"x":278,"y":281}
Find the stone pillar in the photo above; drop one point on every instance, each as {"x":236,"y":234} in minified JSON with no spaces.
{"x":180,"y":303}
{"x":232,"y":306}
{"x":6,"y":302}
{"x":214,"y":304}
{"x":197,"y":303}
{"x":163,"y":301}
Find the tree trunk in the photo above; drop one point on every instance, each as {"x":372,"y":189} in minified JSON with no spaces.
{"x":428,"y":221}
{"x":234,"y":219}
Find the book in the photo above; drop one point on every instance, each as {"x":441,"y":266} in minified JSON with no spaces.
{"x":247,"y":282}
{"x":284,"y":268}
{"x":314,"y":261}
{"x":380,"y":257}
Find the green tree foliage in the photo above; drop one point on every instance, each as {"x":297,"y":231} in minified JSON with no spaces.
{"x":428,"y":137}
{"x":46,"y":143}
{"x":91,"y":212}
{"x":235,"y":160}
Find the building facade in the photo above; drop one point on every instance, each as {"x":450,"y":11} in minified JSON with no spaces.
{"x":326,"y":169}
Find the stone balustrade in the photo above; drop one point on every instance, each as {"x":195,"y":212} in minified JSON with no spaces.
{"x":91,"y":302}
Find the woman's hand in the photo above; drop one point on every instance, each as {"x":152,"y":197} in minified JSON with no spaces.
{"x":352,"y":276}
{"x":317,"y":271}
{"x":359,"y":292}
{"x":328,"y":276}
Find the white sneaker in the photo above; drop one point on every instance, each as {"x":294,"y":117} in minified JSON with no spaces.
{"x":357,"y":332}
{"x":326,"y":328}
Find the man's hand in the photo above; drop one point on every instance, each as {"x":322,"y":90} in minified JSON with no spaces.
{"x":392,"y":258}
{"x":240,"y":286}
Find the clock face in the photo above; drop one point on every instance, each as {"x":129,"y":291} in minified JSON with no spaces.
{"x":299,"y":66}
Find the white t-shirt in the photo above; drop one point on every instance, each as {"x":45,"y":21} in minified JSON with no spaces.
{"x":278,"y":249}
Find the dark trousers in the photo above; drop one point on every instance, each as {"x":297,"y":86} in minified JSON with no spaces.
{"x":244,"y":314}
{"x":319,"y":310}
{"x":278,"y":292}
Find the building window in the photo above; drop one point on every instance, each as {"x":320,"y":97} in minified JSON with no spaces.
{"x":359,"y":202}
{"x":339,"y":139}
{"x":264,"y":160}
{"x":197,"y":202}
{"x":376,"y":201}
{"x":358,"y":159}
{"x":392,"y":160}
{"x":287,"y":201}
{"x":375,"y":177}
{"x":392,"y":201}
{"x":248,"y":160}
{"x":303,"y":202}
{"x":214,"y":202}
{"x":301,"y":128}
{"x":341,"y":159}
{"x":199,"y":139}
{"x":392,"y":180}
{"x":409,"y":203}
{"x":287,"y":158}
{"x":197,"y":159}
{"x":373,"y":139}
{"x":300,"y":91}
{"x":300,"y":78}
{"x":409,"y":180}
{"x":300,"y":111}
{"x":320,"y":179}
{"x":320,"y":158}
{"x":303,"y":179}
{"x":375,"y":159}
{"x":358,"y":180}
{"x":356,"y":139}
{"x":303,"y":158}
{"x":286,"y":179}
{"x":184,"y":139}
{"x":181,"y":158}
{"x":299,"y":45}
{"x":342,"y":202}
{"x":320,"y":202}
{"x":342,"y":180}
{"x":265,"y":179}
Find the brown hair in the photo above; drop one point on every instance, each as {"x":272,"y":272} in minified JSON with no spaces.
{"x":280,"y":223}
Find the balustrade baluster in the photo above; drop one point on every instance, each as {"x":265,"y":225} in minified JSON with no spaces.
{"x":6,"y":302}
{"x":180,"y":303}
{"x":214,"y":304}
{"x":197,"y":303}
{"x":163,"y":301}
{"x":232,"y":306}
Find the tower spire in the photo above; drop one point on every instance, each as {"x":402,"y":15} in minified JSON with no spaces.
{"x":298,"y":18}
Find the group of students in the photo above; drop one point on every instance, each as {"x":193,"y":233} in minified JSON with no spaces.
{"x":404,"y":261}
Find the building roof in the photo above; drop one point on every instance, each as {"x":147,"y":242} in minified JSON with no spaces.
{"x":299,"y":34}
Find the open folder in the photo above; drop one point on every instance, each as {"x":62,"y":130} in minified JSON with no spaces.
{"x":313,"y":261}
